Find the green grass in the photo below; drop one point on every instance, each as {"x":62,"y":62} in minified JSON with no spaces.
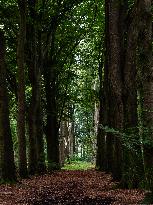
{"x":78,"y":165}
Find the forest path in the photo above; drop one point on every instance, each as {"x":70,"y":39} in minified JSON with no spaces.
{"x":73,"y":187}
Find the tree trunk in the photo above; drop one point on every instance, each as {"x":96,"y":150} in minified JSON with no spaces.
{"x":96,"y":118}
{"x":67,"y":140}
{"x":52,"y":132}
{"x":21,"y":90}
{"x":62,"y":144}
{"x":36,"y":142}
{"x":72,"y":139}
{"x":145,"y":58}
{"x":71,"y":131}
{"x":41,"y":165}
{"x":101,"y":142}
{"x":102,"y":118}
{"x":114,"y":89}
{"x":7,"y":166}
{"x":132,"y":167}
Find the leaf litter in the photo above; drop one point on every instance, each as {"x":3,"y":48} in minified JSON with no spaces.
{"x":73,"y":187}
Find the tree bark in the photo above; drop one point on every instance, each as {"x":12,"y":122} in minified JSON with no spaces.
{"x":114,"y":89}
{"x":36,"y":141}
{"x":131,"y":164}
{"x":62,"y":143}
{"x":101,"y":135}
{"x":21,"y":90}
{"x":145,"y":58}
{"x":7,"y":166}
{"x":71,"y":131}
{"x":52,"y":129}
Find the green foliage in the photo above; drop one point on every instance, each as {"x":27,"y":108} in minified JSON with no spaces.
{"x":7,"y":181}
{"x":129,"y":138}
{"x":148,"y":198}
{"x":78,"y":165}
{"x":147,"y":183}
{"x":132,"y":177}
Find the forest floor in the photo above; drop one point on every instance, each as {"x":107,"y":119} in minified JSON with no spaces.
{"x":69,"y":187}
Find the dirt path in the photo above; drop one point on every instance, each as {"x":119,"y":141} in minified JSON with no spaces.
{"x":69,"y":188}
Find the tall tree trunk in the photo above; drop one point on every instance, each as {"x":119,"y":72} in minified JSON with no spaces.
{"x":131,"y":165}
{"x":67,"y":140}
{"x":114,"y":88}
{"x":52,"y":130}
{"x":101,"y":143}
{"x":32,"y":135}
{"x":41,"y":165}
{"x":72,"y":138}
{"x":7,"y":166}
{"x":21,"y":90}
{"x":102,"y":155}
{"x":36,"y":142}
{"x":145,"y":57}
{"x":96,"y":118}
{"x":62,"y":143}
{"x":71,"y":130}
{"x":34,"y":101}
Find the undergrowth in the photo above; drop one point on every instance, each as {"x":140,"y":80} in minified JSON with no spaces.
{"x":78,"y":165}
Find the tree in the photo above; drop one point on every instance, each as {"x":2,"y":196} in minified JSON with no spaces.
{"x":118,"y":102}
{"x":133,"y":164}
{"x":54,"y":60}
{"x":21,"y":89}
{"x":35,"y":120}
{"x":7,"y":166}
{"x":113,"y":85}
{"x":145,"y":57}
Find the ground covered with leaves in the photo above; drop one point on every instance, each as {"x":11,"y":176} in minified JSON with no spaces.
{"x":69,"y":187}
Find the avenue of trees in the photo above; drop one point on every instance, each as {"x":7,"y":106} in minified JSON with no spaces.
{"x":76,"y":81}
